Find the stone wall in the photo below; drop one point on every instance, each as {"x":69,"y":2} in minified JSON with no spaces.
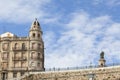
{"x":105,"y":73}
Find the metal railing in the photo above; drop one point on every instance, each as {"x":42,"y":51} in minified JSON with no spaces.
{"x":5,"y":58}
{"x":19,"y":68}
{"x":19,"y":58}
{"x":36,"y":58}
{"x":15,"y":38}
{"x":19,"y":48}
{"x":5,"y":49}
{"x":82,"y":67}
{"x":35,"y":48}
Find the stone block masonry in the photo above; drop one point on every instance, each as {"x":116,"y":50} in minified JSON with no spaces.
{"x":104,"y":73}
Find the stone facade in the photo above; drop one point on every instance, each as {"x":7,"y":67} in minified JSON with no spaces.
{"x":101,"y":73}
{"x":20,"y":55}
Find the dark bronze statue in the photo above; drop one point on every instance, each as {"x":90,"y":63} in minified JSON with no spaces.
{"x":102,"y":55}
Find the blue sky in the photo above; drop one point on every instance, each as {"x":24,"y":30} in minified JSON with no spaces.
{"x":75,"y":31}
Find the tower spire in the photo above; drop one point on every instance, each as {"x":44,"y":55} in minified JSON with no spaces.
{"x":35,"y":25}
{"x":102,"y":60}
{"x":35,"y":30}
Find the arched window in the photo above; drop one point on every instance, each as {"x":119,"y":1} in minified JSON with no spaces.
{"x":39,"y":46}
{"x":33,"y":34}
{"x":5,"y":55}
{"x":38,"y":35}
{"x":33,"y":45}
{"x":35,"y":23}
{"x":33,"y":55}
{"x":5,"y":46}
{"x":23,"y":46}
{"x":38,"y":24}
{"x":38,"y":55}
{"x":102,"y":64}
{"x":16,"y":45}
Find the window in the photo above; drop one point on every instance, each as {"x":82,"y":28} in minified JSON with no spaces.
{"x":5,"y":56}
{"x":38,"y":64}
{"x":32,"y":64}
{"x":38,"y":24}
{"x":35,"y":23}
{"x":16,"y":64}
{"x":33,"y":34}
{"x":102,"y":64}
{"x":14,"y":74}
{"x":5,"y":46}
{"x":16,"y":55}
{"x":22,"y":73}
{"x":16,"y":46}
{"x":23,"y":46}
{"x":39,"y":55}
{"x":4,"y":76}
{"x":23,"y":55}
{"x":33,"y":45}
{"x":23,"y":64}
{"x":33,"y":55}
{"x":39,"y":46}
{"x":5,"y":65}
{"x":38,"y":35}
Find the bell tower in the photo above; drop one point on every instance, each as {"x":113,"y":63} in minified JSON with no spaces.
{"x":102,"y":60}
{"x":35,"y":30}
{"x":36,"y":54}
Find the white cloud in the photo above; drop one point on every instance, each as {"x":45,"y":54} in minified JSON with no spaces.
{"x":114,"y":2}
{"x":107,"y":2}
{"x":83,"y":40}
{"x":22,"y":10}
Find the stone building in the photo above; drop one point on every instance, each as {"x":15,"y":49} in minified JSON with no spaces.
{"x":19,"y":55}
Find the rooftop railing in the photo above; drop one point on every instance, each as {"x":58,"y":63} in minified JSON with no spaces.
{"x":14,"y":38}
{"x":82,"y":67}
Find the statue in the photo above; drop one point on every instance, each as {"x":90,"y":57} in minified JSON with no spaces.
{"x":102,"y":55}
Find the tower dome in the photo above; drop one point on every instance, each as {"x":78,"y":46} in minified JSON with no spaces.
{"x":35,"y":25}
{"x":35,"y":30}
